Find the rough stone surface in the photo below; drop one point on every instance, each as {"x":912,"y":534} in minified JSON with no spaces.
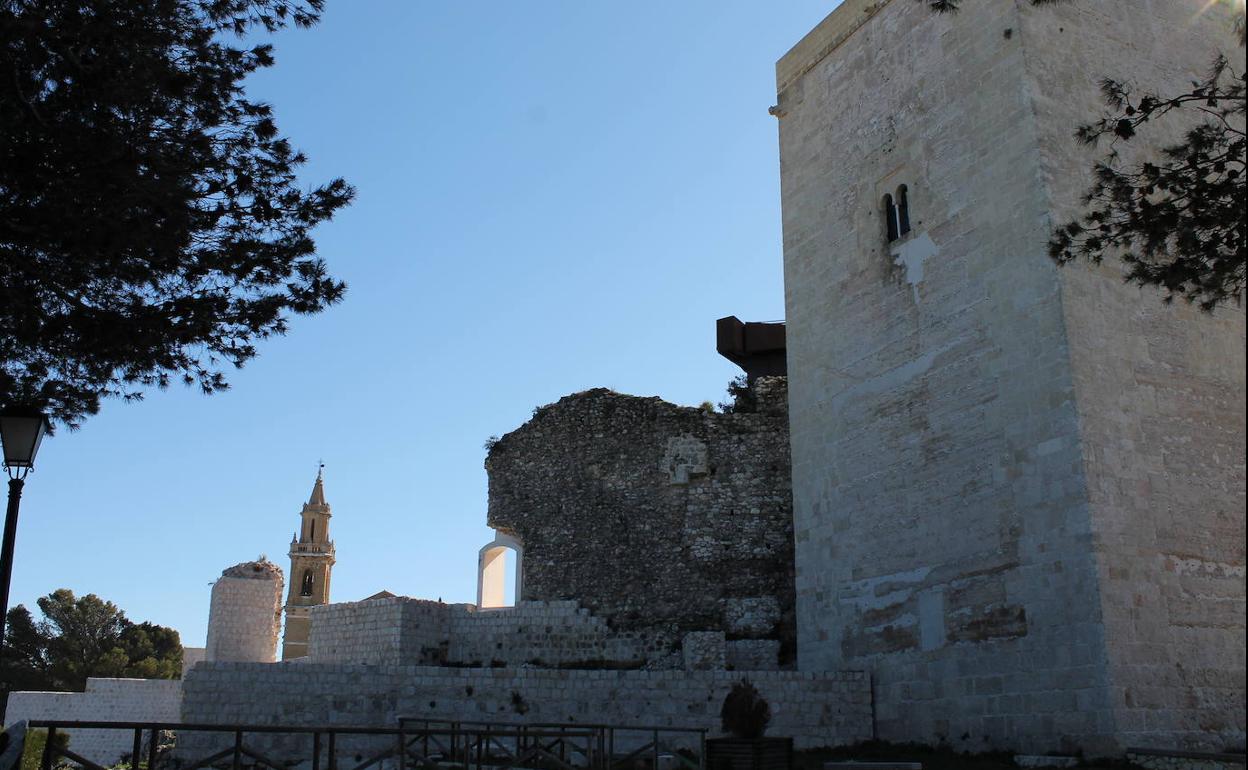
{"x":1160,"y":761}
{"x":653,"y":516}
{"x":752,"y":654}
{"x":244,"y":616}
{"x":1018,"y":491}
{"x":704,"y":651}
{"x":114,"y":699}
{"x":816,"y":709}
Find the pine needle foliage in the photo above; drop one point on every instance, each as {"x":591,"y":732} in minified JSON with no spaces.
{"x":151,"y":224}
{"x":1177,"y":221}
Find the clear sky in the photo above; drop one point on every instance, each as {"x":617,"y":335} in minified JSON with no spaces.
{"x":554,"y":195}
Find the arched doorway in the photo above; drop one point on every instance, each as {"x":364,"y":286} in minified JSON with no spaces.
{"x":492,"y":571}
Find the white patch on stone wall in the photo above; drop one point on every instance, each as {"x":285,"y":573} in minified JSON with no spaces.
{"x":867,"y":593}
{"x":932,"y":619}
{"x":911,"y":254}
{"x":685,"y":457}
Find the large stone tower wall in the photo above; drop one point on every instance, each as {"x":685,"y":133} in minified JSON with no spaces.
{"x":965,"y":446}
{"x":1159,"y":391}
{"x":245,"y":615}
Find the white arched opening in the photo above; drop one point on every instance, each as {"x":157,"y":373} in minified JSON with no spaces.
{"x":492,"y":571}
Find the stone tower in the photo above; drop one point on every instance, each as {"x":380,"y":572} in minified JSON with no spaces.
{"x":311,"y":563}
{"x":1018,"y":490}
{"x":245,"y":614}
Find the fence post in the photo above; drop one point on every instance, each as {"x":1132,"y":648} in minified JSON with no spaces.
{"x":238,"y":749}
{"x":137,"y":750}
{"x":151,"y":748}
{"x":46,"y":761}
{"x":316,"y":751}
{"x":333,"y":755}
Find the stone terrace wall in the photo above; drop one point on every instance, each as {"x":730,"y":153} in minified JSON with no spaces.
{"x":114,"y":699}
{"x":392,"y":631}
{"x":654,"y":516}
{"x":398,"y":631}
{"x":816,"y":709}
{"x":543,"y":633}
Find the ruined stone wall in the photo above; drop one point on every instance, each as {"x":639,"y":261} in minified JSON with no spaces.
{"x":244,"y":615}
{"x":120,"y":700}
{"x":655,"y":517}
{"x":816,"y":709}
{"x":1159,"y":391}
{"x":944,"y":455}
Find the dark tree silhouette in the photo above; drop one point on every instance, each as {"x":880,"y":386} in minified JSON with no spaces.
{"x":1177,"y":221}
{"x":81,"y":637}
{"x":151,"y":223}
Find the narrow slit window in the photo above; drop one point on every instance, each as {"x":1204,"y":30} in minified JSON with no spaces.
{"x":312,"y":531}
{"x":903,"y":211}
{"x":890,"y":216}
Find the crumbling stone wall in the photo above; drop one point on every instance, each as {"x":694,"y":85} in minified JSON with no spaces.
{"x":245,"y":614}
{"x":652,"y":515}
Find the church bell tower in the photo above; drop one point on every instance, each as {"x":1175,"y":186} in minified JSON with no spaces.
{"x":311,"y":562}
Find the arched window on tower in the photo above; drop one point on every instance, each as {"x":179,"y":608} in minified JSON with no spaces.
{"x":903,"y":211}
{"x":890,"y":218}
{"x":306,"y":588}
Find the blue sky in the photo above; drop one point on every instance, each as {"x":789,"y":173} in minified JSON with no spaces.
{"x":553,"y":196}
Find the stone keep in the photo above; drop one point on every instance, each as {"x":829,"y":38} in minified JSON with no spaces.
{"x":1018,"y":489}
{"x":311,"y":566}
{"x":245,"y":614}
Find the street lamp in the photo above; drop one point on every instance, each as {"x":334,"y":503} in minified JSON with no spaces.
{"x":20,"y":434}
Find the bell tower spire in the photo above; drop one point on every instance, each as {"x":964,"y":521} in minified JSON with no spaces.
{"x":311,"y":562}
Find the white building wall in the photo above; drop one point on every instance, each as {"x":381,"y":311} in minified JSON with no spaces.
{"x":155,"y":700}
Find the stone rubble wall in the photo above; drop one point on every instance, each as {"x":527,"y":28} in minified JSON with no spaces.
{"x":244,"y":620}
{"x":822,"y":709}
{"x":656,"y":517}
{"x":112,"y":699}
{"x":541,"y":634}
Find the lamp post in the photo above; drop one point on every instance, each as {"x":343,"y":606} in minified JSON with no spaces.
{"x":20,"y":434}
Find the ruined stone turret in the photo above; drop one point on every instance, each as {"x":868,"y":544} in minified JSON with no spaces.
{"x":245,"y":614}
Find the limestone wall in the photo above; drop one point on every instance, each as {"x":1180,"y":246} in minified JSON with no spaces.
{"x":392,"y":631}
{"x":655,"y":517}
{"x":405,"y":631}
{"x":244,"y":617}
{"x":996,"y":466}
{"x":816,"y":709}
{"x":1159,"y":391}
{"x":114,"y":699}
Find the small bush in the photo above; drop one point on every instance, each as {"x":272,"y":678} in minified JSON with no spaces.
{"x":745,"y":713}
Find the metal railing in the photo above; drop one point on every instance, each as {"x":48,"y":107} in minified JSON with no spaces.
{"x":416,"y":743}
{"x":611,"y":746}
